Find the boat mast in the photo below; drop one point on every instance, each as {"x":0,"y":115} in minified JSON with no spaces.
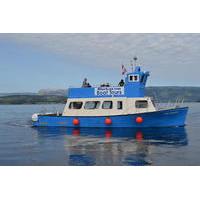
{"x":132,"y":65}
{"x":135,"y":60}
{"x":135,"y":63}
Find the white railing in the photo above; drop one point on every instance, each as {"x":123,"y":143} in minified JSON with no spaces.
{"x":93,"y":86}
{"x":178,"y":103}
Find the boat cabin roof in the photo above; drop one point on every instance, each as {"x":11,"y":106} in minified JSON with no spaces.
{"x":134,"y":86}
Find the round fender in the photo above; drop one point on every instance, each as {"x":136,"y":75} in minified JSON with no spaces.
{"x":76,"y":122}
{"x":108,"y":121}
{"x":139,"y":120}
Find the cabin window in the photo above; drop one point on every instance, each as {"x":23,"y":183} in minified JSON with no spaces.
{"x":107,"y":105}
{"x":75,"y":105}
{"x":134,"y":78}
{"x":92,"y":105}
{"x":119,"y":105}
{"x":141,"y":104}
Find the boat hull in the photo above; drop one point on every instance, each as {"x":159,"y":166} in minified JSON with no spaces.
{"x":163,"y":118}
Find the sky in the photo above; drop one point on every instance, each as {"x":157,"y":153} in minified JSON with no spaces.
{"x":30,"y":62}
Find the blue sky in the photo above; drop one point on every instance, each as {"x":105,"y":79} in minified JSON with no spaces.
{"x":29,"y":62}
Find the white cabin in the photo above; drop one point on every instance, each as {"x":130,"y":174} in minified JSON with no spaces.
{"x":108,"y":106}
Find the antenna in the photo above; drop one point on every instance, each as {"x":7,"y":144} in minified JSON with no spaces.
{"x":131,"y":65}
{"x":135,"y":60}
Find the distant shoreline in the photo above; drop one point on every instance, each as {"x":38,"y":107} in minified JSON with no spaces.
{"x":48,"y":96}
{"x":31,"y":99}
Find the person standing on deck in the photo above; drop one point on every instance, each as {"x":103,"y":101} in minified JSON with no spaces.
{"x":121,"y":83}
{"x":85,"y":83}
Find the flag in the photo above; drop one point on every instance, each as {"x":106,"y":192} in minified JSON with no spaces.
{"x":123,"y":70}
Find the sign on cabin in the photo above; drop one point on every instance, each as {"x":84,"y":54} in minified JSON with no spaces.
{"x":109,"y":91}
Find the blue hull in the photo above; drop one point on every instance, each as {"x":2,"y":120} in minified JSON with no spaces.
{"x":162,"y":118}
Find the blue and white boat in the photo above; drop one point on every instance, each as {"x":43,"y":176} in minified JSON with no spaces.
{"x":114,"y":106}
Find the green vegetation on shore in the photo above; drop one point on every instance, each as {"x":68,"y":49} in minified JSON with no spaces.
{"x":32,"y":99}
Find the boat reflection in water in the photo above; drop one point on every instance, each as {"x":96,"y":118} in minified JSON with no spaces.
{"x":116,"y":146}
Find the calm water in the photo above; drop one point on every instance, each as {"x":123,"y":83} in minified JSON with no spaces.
{"x":20,"y":144}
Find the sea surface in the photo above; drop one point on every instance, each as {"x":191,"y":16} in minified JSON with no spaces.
{"x":21,"y":144}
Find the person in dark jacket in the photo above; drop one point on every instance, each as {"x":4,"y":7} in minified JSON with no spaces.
{"x":85,"y":83}
{"x":121,"y":83}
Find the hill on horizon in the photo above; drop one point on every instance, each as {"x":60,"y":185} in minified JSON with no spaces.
{"x":159,"y":93}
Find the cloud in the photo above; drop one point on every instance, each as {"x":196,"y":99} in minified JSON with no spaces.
{"x":162,"y":53}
